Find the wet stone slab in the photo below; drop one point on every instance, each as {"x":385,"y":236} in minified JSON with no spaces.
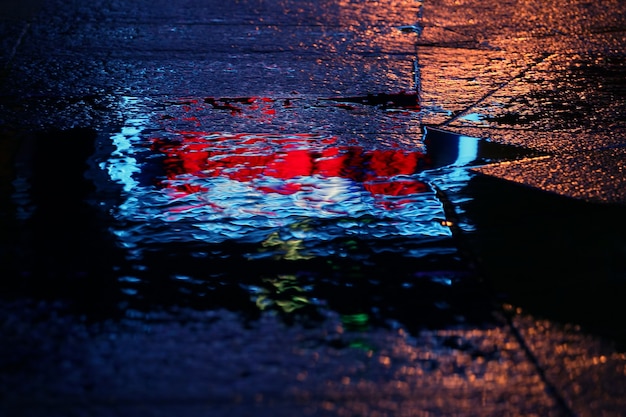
{"x":555,"y":25}
{"x":545,"y":142}
{"x":253,"y":12}
{"x":378,"y":116}
{"x":566,"y":95}
{"x":467,"y":76}
{"x":168,"y":80}
{"x":594,"y":176}
{"x":303,"y":28}
{"x":196,"y":39}
{"x":214,"y":363}
{"x":583,"y":93}
{"x":587,"y":370}
{"x":247,"y":49}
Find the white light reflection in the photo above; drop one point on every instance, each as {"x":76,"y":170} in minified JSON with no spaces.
{"x":121,"y":166}
{"x":456,"y":175}
{"x":467,"y":151}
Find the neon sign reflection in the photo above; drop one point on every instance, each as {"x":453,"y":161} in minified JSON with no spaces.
{"x":286,"y":164}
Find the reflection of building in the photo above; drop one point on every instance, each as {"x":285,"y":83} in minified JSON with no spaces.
{"x":255,"y":157}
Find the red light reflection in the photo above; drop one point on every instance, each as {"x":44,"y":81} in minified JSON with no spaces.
{"x":250,"y":157}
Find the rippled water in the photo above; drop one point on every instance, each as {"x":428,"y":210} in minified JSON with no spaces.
{"x":283,"y":219}
{"x":250,"y":204}
{"x":213,"y":187}
{"x":313,"y":188}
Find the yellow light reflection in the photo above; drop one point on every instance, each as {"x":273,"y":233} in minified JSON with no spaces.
{"x":290,"y":250}
{"x":283,"y":292}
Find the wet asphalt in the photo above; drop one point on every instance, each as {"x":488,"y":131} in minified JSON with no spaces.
{"x":495,"y":287}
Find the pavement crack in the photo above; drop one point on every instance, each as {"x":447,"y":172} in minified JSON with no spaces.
{"x":16,"y":45}
{"x":490,"y":93}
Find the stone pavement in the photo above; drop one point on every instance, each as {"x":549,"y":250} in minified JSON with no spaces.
{"x":545,"y":76}
{"x":560,"y":88}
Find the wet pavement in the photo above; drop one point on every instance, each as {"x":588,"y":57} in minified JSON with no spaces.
{"x":330,"y":208}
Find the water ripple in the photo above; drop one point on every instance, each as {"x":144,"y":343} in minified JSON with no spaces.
{"x":216,"y":187}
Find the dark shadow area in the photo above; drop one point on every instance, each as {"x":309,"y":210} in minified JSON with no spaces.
{"x":558,"y":258}
{"x":400,"y":100}
{"x":56,"y":245}
{"x":384,"y":289}
{"x":18,"y":10}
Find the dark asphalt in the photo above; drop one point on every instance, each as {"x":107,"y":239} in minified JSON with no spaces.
{"x":464,"y":255}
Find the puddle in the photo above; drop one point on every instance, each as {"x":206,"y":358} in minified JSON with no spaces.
{"x":297,"y":223}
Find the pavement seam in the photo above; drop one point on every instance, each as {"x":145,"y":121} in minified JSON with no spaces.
{"x":550,"y":387}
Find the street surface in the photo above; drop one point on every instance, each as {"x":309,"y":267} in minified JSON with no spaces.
{"x":312,"y":208}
